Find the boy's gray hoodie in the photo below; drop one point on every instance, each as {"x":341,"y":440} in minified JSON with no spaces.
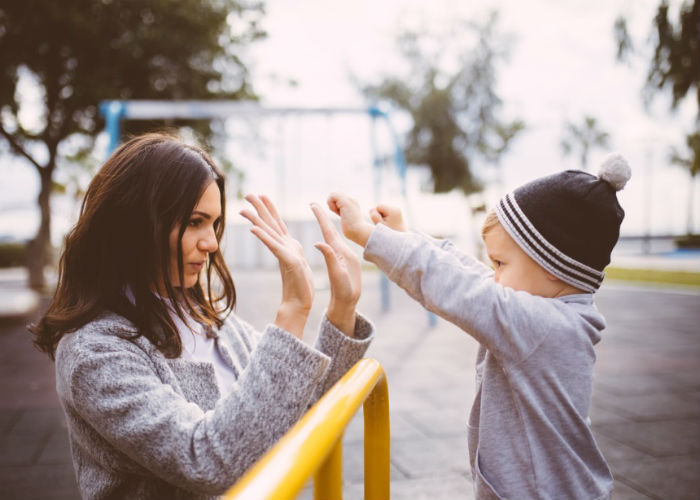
{"x":529,"y":431}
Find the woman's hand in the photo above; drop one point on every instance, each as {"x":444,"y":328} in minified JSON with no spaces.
{"x":344,"y":274}
{"x":297,"y":284}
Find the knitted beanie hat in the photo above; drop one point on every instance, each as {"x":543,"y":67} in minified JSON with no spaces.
{"x":569,"y":222}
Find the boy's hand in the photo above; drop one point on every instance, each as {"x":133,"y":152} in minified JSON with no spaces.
{"x":389,"y":215}
{"x":353,"y":224}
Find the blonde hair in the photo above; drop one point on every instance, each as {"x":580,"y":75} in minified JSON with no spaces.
{"x":490,"y":222}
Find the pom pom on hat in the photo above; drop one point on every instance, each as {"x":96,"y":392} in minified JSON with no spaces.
{"x":615,"y":171}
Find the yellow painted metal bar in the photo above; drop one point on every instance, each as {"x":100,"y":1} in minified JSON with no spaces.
{"x":282,"y":472}
{"x":328,"y":479}
{"x":377,"y":443}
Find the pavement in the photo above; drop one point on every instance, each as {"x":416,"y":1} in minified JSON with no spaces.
{"x":645,"y":409}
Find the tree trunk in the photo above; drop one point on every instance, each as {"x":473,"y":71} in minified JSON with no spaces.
{"x":39,"y":248}
{"x":691,"y":189}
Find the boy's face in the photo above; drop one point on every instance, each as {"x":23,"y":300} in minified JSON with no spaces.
{"x":515,"y":269}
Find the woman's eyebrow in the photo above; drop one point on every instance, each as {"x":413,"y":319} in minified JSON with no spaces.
{"x":202,"y":214}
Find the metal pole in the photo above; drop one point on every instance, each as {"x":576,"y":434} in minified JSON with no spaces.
{"x":377,"y":442}
{"x":400,"y":162}
{"x":646,"y":242}
{"x":375,"y":112}
{"x":113,"y":111}
{"x":328,"y":480}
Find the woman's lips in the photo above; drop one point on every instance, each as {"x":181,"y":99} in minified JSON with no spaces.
{"x":197,"y":266}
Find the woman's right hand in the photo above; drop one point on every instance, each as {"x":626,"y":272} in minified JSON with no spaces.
{"x":297,"y":284}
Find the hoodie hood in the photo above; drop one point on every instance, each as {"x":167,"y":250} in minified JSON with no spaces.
{"x":584,"y":305}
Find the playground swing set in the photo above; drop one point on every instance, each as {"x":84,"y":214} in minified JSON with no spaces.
{"x":115,"y":111}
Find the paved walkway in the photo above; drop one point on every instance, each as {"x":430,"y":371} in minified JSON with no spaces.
{"x":646,"y":406}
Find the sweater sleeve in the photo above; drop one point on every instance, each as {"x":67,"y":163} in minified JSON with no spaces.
{"x":344,"y":351}
{"x":464,"y":258}
{"x":113,"y":385}
{"x":460,"y":289}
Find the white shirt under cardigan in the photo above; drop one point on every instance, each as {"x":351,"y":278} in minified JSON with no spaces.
{"x":198,"y":345}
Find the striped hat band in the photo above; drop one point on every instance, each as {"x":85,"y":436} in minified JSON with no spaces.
{"x":542,"y":251}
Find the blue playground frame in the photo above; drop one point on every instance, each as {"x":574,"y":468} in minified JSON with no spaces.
{"x":114,"y":111}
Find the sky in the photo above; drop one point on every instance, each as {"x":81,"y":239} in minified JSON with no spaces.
{"x":561,"y":67}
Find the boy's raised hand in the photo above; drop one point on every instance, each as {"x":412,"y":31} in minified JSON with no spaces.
{"x":353,"y":224}
{"x":389,"y":215}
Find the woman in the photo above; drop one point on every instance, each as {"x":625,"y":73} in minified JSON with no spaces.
{"x":167,"y":393}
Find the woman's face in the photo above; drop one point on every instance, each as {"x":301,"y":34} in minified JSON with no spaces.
{"x":199,"y":239}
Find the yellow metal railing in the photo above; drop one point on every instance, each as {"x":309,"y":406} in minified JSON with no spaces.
{"x":314,"y":445}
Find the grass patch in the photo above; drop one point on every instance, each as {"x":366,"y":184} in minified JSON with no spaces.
{"x":654,"y":276}
{"x":12,"y":254}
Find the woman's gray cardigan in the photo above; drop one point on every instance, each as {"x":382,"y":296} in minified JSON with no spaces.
{"x":144,"y":426}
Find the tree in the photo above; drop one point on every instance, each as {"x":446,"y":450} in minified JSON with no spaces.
{"x":583,"y":138}
{"x":674,"y":64}
{"x":689,"y":161}
{"x":675,"y":61}
{"x":452,"y":101}
{"x":79,"y":52}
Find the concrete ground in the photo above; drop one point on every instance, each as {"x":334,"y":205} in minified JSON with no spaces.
{"x":646,"y":404}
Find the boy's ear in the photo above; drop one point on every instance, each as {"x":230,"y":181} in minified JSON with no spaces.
{"x":551,"y":277}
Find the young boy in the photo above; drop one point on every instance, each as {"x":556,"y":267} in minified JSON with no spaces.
{"x":535,"y":320}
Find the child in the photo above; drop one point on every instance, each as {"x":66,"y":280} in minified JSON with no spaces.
{"x":534,"y":316}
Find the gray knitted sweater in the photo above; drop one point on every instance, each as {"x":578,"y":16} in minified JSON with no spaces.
{"x":143,"y":426}
{"x":529,"y":433}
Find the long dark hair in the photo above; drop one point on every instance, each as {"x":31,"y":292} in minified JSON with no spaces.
{"x":118,"y":252}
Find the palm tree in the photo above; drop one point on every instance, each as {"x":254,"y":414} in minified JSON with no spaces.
{"x":583,"y":138}
{"x":691,"y":163}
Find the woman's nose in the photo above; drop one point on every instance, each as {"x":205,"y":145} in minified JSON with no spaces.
{"x":208,"y":242}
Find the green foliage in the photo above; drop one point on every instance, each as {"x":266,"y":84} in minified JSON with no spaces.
{"x":687,"y":278}
{"x":675,"y":61}
{"x":583,"y":138}
{"x":84,"y":51}
{"x":622,"y":39}
{"x":689,"y":241}
{"x":452,"y":101}
{"x":80,"y":52}
{"x":12,"y":254}
{"x":690,"y":161}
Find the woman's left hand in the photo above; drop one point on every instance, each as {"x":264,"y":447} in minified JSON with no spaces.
{"x":344,"y":274}
{"x":297,"y":282}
